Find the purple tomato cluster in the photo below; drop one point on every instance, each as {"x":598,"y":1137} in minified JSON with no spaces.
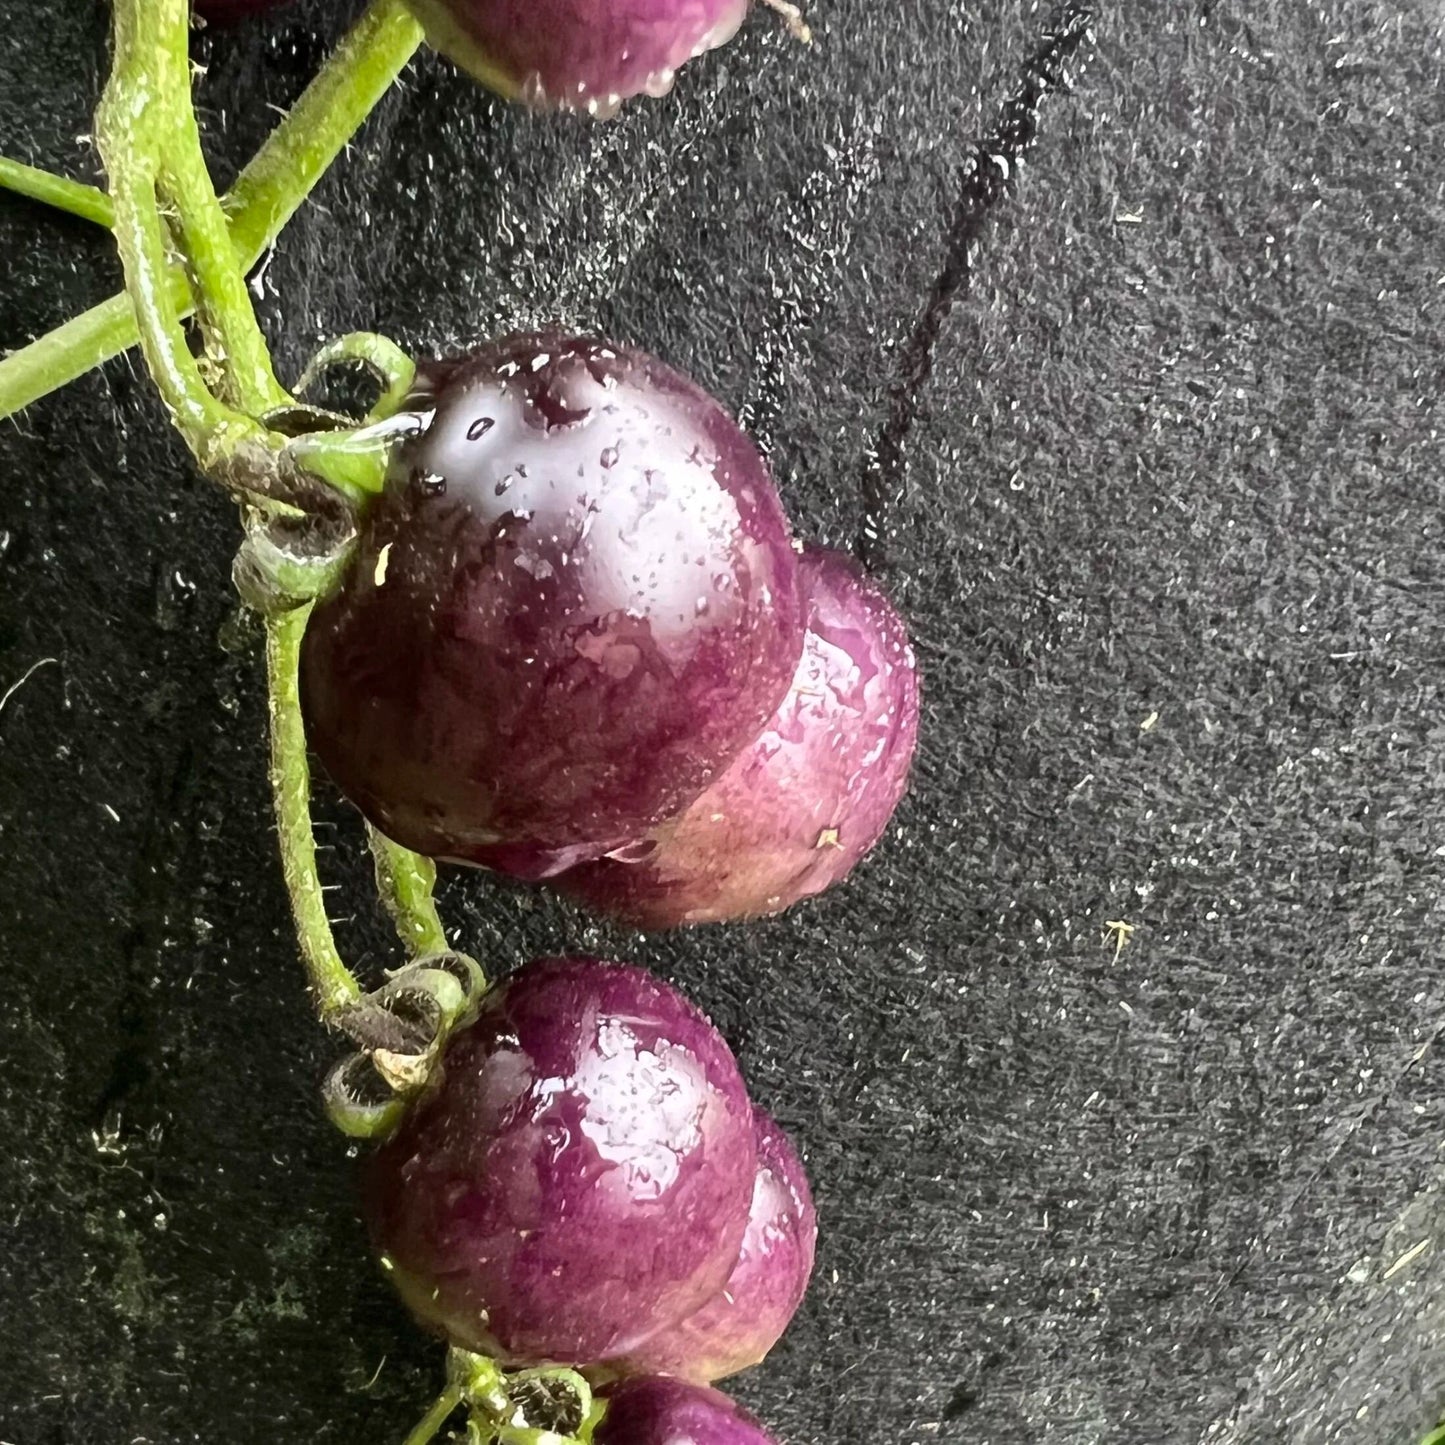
{"x":586,"y":1182}
{"x":578,"y":643}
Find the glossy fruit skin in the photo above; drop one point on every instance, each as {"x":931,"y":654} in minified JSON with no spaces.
{"x":581,"y":1176}
{"x":654,"y":1410}
{"x":587,"y":55}
{"x":575,"y":602}
{"x":811,"y":795}
{"x":747,"y":1317}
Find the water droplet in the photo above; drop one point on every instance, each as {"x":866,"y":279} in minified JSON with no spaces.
{"x":429,"y":484}
{"x":609,"y":457}
{"x":701,"y":606}
{"x":480,"y":428}
{"x":504,"y":485}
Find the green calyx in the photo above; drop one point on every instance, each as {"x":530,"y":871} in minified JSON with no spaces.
{"x":552,"y":1405}
{"x":402,"y":1027}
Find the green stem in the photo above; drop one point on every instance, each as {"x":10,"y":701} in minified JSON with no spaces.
{"x":331,"y":981}
{"x":480,"y":1380}
{"x":345,"y":91}
{"x":136,"y":116}
{"x":76,"y":198}
{"x":266,"y":194}
{"x":79,"y":345}
{"x":250,"y":382}
{"x":140,"y":238}
{"x":436,"y":1417}
{"x":405,"y":881}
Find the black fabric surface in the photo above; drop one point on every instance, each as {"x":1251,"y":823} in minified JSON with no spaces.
{"x":1150,"y":451}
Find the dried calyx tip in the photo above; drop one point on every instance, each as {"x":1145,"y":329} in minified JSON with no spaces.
{"x":793,"y":17}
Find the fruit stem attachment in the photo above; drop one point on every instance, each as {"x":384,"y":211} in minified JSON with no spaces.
{"x":436,"y":1417}
{"x":405,"y":881}
{"x":61,"y":193}
{"x":266,"y":194}
{"x":332,"y":983}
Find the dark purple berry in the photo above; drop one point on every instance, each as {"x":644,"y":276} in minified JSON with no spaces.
{"x":574,"y":604}
{"x":654,"y":1410}
{"x":800,"y":806}
{"x":580,"y":1177}
{"x":747,"y":1317}
{"x":577,"y":54}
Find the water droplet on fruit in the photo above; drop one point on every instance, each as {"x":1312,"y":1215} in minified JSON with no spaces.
{"x":504,"y":485}
{"x":428,"y":483}
{"x":609,"y":458}
{"x":480,"y":428}
{"x":537,"y":567}
{"x":700,"y":607}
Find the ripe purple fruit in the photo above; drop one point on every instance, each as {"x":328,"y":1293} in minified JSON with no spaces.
{"x":747,"y":1317}
{"x":811,"y":795}
{"x":657,"y":1411}
{"x":580,"y":1177}
{"x":577,"y":54}
{"x":574,"y":604}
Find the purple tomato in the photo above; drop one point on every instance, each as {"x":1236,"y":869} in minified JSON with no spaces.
{"x":811,"y":795}
{"x":747,"y":1317}
{"x":574,"y":604}
{"x":588,"y":55}
{"x":654,"y":1410}
{"x":578,"y":1179}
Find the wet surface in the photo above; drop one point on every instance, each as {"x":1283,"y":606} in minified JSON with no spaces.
{"x":576,"y":599}
{"x":580,"y":1180}
{"x":1114,"y":1068}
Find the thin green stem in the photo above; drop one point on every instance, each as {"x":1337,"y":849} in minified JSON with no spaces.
{"x":345,"y":91}
{"x":481,"y":1381}
{"x":79,"y":345}
{"x":436,"y":1417}
{"x":76,"y":198}
{"x":133,"y":123}
{"x":405,"y":881}
{"x":332,"y":983}
{"x":266,"y":194}
{"x":250,"y":381}
{"x":140,"y":239}
{"x":150,"y":134}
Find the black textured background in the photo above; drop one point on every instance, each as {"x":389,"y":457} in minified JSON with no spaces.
{"x":1164,"y":508}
